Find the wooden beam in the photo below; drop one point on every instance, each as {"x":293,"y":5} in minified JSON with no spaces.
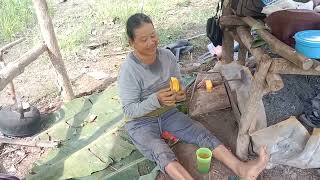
{"x":242,"y":54}
{"x":50,"y":39}
{"x":274,"y":82}
{"x":10,"y":45}
{"x":227,"y":40}
{"x":282,"y":66}
{"x":248,"y":121}
{"x":13,"y":69}
{"x":231,"y":20}
{"x":279,"y":47}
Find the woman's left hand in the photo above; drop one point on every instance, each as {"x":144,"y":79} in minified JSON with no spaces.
{"x":181,"y":96}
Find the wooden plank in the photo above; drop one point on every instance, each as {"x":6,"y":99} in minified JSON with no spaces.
{"x":279,"y":47}
{"x":17,"y":67}
{"x":50,"y":39}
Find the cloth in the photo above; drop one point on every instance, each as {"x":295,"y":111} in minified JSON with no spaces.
{"x":145,"y":133}
{"x":138,"y":83}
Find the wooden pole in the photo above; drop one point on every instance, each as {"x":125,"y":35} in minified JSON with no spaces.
{"x":248,"y":121}
{"x":49,"y":37}
{"x":282,"y":66}
{"x":10,"y":45}
{"x":227,"y":40}
{"x":13,"y":69}
{"x":279,"y":47}
{"x":231,"y":20}
{"x":274,"y":82}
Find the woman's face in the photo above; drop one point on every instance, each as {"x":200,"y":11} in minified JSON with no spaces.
{"x":145,"y":40}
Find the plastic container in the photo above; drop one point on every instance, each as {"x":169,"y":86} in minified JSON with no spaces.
{"x":204,"y":156}
{"x":308,"y":43}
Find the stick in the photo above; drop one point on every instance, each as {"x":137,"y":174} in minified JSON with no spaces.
{"x":279,"y":47}
{"x":282,"y":66}
{"x":196,"y":36}
{"x":47,"y":31}
{"x":115,"y":54}
{"x":10,"y":45}
{"x":17,"y":67}
{"x":32,"y":143}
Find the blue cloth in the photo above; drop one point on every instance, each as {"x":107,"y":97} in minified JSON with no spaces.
{"x":145,"y":133}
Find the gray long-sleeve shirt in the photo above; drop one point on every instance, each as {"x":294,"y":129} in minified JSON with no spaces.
{"x":138,"y":82}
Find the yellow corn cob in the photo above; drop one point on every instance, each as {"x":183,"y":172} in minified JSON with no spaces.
{"x":208,"y":85}
{"x":174,"y":84}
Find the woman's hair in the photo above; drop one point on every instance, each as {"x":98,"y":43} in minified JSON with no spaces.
{"x":134,"y":22}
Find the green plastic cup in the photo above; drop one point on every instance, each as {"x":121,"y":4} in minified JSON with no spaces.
{"x":204,"y":156}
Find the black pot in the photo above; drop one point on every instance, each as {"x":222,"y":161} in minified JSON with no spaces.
{"x":19,"y":123}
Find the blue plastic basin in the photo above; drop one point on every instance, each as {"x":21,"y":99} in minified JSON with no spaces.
{"x":308,"y":43}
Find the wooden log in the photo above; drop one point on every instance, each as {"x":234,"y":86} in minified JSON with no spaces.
{"x":31,"y":143}
{"x":242,"y":54}
{"x":231,"y":20}
{"x":247,"y":40}
{"x":49,"y":37}
{"x":13,"y":69}
{"x":248,"y":121}
{"x":10,"y":45}
{"x":282,"y":66}
{"x":274,"y":82}
{"x":279,"y":47}
{"x":227,"y":40}
{"x":11,"y":85}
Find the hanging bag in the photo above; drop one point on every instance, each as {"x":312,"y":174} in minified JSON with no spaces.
{"x":214,"y":32}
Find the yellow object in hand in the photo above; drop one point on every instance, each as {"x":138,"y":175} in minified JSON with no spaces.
{"x":174,"y":84}
{"x":208,"y":85}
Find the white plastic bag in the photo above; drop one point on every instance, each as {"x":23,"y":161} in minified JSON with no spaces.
{"x":286,"y":4}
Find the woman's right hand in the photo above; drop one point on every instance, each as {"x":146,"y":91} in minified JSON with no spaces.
{"x":166,"y":97}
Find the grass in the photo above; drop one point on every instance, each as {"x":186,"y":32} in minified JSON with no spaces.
{"x":16,"y":16}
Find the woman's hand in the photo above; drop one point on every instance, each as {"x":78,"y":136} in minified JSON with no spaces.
{"x":166,"y":97}
{"x":181,"y":96}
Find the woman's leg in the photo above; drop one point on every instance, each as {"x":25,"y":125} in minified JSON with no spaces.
{"x":145,"y":135}
{"x":193,"y":132}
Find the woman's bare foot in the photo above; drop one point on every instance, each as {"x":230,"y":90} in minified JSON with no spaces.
{"x":250,"y":170}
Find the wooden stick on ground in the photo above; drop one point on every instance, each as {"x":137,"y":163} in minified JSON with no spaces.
{"x":279,"y":47}
{"x":17,"y":67}
{"x":47,"y":31}
{"x":31,"y":143}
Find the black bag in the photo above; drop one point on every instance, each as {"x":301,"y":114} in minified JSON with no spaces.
{"x":214,"y":32}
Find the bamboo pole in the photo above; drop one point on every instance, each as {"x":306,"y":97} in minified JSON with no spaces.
{"x":17,"y":67}
{"x":248,"y":121}
{"x":49,"y":37}
{"x":279,"y":47}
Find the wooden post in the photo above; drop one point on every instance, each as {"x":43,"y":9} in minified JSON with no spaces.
{"x":3,"y":64}
{"x":279,"y":47}
{"x":13,"y":69}
{"x":49,"y":37}
{"x":242,"y":54}
{"x":227,"y":40}
{"x":248,"y":119}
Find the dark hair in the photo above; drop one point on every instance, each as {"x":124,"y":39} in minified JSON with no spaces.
{"x":134,"y":22}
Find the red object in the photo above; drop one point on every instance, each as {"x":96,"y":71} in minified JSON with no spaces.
{"x":168,"y":136}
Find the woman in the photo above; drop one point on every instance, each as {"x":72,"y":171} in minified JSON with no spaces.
{"x":150,"y":105}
